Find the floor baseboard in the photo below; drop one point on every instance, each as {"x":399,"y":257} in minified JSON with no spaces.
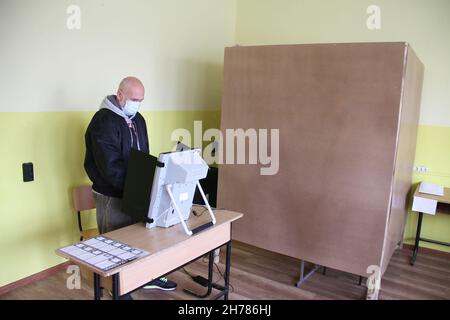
{"x":432,"y":252}
{"x":33,"y":278}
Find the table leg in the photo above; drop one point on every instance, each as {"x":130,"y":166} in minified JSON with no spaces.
{"x":303,"y":276}
{"x":97,"y":288}
{"x":416,"y":245}
{"x":115,"y":287}
{"x":227,"y":270}
{"x":210,"y":272}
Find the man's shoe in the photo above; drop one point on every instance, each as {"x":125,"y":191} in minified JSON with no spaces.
{"x":161,"y":284}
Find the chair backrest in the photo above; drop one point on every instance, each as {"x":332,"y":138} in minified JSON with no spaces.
{"x":83,"y":198}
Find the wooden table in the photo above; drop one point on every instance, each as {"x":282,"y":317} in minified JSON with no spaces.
{"x":445,"y":200}
{"x":170,"y":249}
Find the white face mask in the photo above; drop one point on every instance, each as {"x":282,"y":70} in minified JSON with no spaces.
{"x":131,"y":108}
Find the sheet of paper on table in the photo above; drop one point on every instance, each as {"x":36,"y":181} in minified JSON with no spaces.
{"x":103,"y":253}
{"x":424,"y":205}
{"x":431,"y":188}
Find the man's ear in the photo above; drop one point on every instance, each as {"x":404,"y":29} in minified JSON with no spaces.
{"x":120,"y":98}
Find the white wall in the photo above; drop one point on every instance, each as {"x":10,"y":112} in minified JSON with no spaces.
{"x":174,"y":46}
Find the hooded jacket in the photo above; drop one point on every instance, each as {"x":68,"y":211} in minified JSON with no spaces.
{"x":109,"y":139}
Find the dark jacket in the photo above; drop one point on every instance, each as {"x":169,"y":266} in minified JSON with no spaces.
{"x":109,"y":139}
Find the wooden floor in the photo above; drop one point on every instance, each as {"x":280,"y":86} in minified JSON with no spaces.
{"x":259,"y":274}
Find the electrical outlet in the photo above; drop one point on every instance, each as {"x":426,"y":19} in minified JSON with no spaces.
{"x":28,"y":172}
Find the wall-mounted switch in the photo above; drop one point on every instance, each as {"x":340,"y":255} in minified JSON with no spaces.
{"x":28,"y":172}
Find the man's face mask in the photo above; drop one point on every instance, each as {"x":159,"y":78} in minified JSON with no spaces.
{"x":131,"y":108}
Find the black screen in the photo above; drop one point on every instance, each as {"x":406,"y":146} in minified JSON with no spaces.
{"x":138,"y":184}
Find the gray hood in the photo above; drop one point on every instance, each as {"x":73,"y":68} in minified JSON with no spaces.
{"x":110,"y":103}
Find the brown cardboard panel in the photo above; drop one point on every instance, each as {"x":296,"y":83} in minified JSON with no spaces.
{"x":337,"y":108}
{"x":406,"y":150}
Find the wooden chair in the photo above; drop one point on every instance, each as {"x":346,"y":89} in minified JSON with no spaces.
{"x":83,"y":199}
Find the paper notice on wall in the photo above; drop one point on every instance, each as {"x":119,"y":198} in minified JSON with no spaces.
{"x":424,"y":205}
{"x":431,"y":188}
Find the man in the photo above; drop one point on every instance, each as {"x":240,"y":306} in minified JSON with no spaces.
{"x":113,"y":131}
